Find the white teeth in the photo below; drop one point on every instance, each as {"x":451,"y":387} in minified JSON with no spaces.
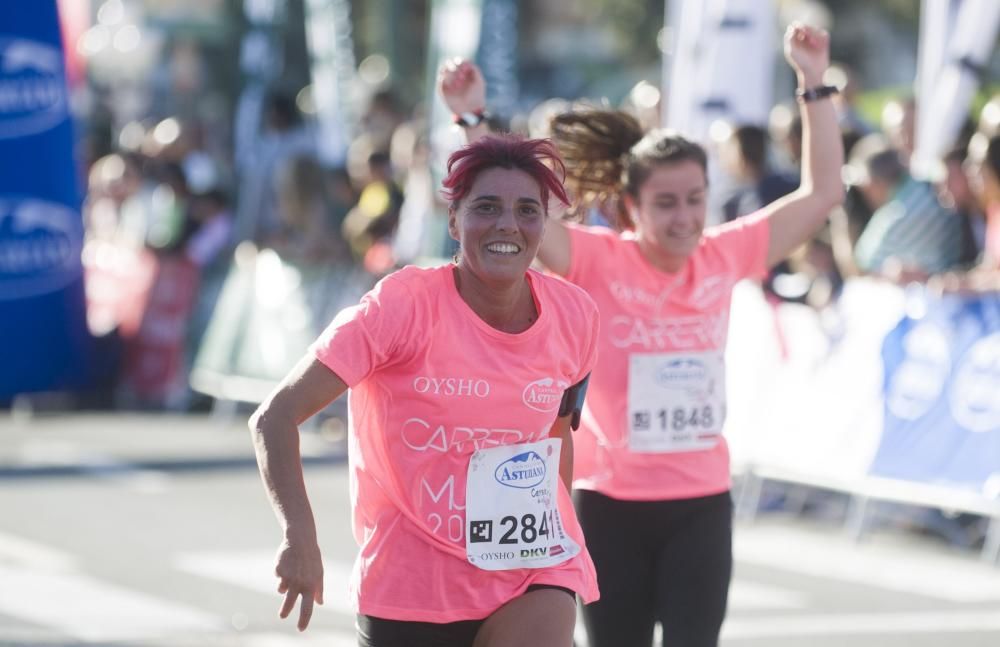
{"x":503,"y":248}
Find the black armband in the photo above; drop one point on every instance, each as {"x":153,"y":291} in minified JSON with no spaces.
{"x":572,"y":402}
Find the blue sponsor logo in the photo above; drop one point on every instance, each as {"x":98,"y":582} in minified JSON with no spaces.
{"x":40,"y":245}
{"x":681,"y":373}
{"x":33,"y":96}
{"x":522,"y":471}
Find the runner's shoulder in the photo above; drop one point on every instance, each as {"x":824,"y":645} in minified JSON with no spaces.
{"x":594,"y":234}
{"x":571,"y":299}
{"x":412,"y":282}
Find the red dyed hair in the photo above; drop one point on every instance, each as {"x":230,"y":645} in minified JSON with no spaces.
{"x":509,"y":152}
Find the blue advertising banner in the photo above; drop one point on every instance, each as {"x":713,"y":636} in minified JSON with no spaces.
{"x":42,"y":314}
{"x":942,"y":394}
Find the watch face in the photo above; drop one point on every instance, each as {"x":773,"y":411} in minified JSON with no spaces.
{"x":470,"y":119}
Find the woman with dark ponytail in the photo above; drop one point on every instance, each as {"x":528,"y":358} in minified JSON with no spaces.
{"x":651,"y":472}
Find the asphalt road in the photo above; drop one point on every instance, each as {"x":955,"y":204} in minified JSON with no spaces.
{"x":109,"y":545}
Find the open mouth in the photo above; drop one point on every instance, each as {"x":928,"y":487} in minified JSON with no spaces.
{"x":503,"y":249}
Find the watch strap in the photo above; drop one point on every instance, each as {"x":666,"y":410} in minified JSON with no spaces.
{"x":471,"y":119}
{"x":813,"y":94}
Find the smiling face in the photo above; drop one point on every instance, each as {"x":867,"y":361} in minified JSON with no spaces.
{"x":670,"y":213}
{"x":498,"y":225}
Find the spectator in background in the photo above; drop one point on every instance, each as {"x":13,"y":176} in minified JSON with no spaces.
{"x":283,"y":136}
{"x":744,"y":156}
{"x":989,"y":118}
{"x":910,"y":235}
{"x":112,"y":181}
{"x":410,"y":153}
{"x":382,"y":118}
{"x":983,"y":170}
{"x":208,"y":244}
{"x":899,"y":124}
{"x":340,"y":194}
{"x":955,"y":193}
{"x":785,"y":128}
{"x":210,"y":230}
{"x":306,"y":234}
{"x":846,"y":101}
{"x":984,"y":177}
{"x":370,"y":225}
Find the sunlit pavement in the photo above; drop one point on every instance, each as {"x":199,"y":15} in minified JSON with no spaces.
{"x":144,"y":530}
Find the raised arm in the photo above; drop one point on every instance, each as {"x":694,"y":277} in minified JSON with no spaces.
{"x":796,"y":217}
{"x":463,"y":89}
{"x":307,"y":388}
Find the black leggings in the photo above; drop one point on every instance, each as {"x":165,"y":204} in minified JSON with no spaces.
{"x":657,"y":561}
{"x":380,"y":632}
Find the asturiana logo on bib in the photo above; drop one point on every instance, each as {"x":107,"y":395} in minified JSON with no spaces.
{"x":32,"y":87}
{"x":544,"y":394}
{"x":681,"y":373}
{"x":522,"y":471}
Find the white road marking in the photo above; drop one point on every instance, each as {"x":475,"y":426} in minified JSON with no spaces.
{"x":837,"y":558}
{"x":66,"y":454}
{"x":861,"y":624}
{"x":750,"y":596}
{"x":308,"y":639}
{"x":254,"y":570}
{"x":89,"y":609}
{"x":30,"y":554}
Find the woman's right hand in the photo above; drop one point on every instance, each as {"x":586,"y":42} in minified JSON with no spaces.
{"x":300,"y":572}
{"x":462,"y":86}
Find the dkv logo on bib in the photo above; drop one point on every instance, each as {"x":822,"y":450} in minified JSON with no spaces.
{"x":32,"y":87}
{"x":544,"y":394}
{"x":523,"y":471}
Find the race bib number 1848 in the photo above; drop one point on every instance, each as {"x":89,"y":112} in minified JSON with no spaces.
{"x":676,"y":401}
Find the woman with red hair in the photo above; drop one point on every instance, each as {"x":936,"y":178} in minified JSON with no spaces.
{"x":464,"y":380}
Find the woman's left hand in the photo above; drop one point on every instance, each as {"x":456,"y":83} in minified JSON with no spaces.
{"x":807,"y":50}
{"x":299,"y":569}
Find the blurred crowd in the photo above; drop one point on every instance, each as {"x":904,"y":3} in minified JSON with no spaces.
{"x":168,"y":220}
{"x":937,"y":226}
{"x":166,"y":223}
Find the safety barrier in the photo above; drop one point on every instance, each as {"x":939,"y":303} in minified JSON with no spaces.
{"x":889,"y":395}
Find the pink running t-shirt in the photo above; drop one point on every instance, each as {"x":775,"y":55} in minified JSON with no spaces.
{"x":430,"y":384}
{"x":652,"y":420}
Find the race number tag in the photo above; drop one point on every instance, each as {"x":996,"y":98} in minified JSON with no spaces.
{"x":676,"y":402}
{"x":511,"y":511}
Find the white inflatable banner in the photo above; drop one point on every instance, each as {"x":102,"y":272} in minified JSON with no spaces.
{"x":805,"y":387}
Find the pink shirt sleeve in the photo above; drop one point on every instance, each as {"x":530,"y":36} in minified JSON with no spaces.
{"x":740,"y":245}
{"x":586,"y":245}
{"x":362,"y":338}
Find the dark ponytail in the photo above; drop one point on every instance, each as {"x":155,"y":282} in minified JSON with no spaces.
{"x":594,"y":145}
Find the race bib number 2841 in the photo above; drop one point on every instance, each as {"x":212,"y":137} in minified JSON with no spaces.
{"x":511,"y":508}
